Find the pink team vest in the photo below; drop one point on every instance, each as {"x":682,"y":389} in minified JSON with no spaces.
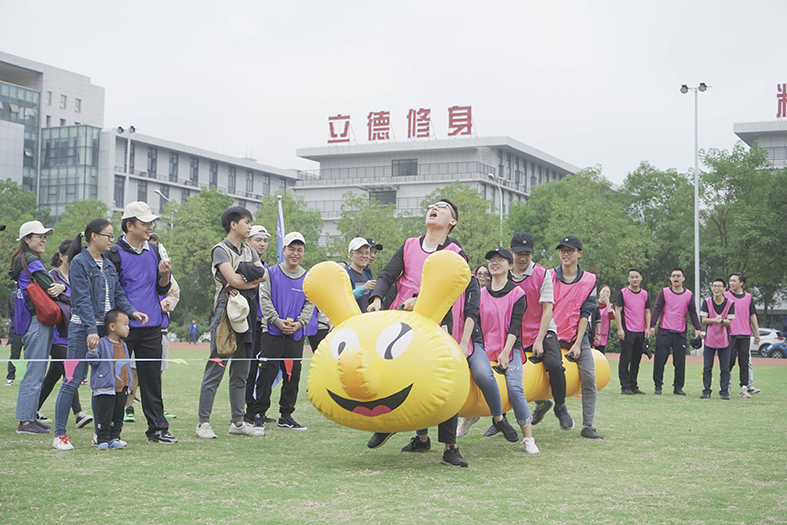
{"x":673,"y":317}
{"x":741,"y":324}
{"x":495,"y":318}
{"x":634,"y":309}
{"x":410,"y":282}
{"x":603,"y":318}
{"x":568,"y":300}
{"x":717,"y":335}
{"x":531,"y":322}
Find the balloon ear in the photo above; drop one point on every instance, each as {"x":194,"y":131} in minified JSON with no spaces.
{"x":444,"y":278}
{"x":327,"y":285}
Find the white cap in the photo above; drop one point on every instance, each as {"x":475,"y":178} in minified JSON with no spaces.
{"x":358,"y":243}
{"x":292,"y":237}
{"x":257,"y":230}
{"x":237,"y":313}
{"x":139,"y":210}
{"x":33,"y":227}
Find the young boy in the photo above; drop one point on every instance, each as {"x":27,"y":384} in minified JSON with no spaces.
{"x":632,"y":309}
{"x":717,"y":338}
{"x":109,"y":380}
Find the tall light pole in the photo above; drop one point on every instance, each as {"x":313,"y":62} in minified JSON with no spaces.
{"x":500,"y":189}
{"x":685,"y":89}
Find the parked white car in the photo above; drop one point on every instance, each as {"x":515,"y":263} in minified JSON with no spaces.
{"x":768,"y":336}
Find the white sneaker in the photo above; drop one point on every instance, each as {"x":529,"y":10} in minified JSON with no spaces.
{"x":754,"y":390}
{"x":464,"y":425}
{"x":745,"y":391}
{"x":10,"y":382}
{"x":245,"y":429}
{"x":94,"y":441}
{"x":205,"y":432}
{"x":62,"y":443}
{"x":530,"y":446}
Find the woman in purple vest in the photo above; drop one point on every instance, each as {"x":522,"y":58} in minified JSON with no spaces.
{"x":717,"y":313}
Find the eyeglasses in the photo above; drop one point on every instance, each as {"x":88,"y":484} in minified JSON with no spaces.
{"x":441,"y":205}
{"x":108,"y":236}
{"x":362,"y":254}
{"x":676,"y":275}
{"x":567,"y":251}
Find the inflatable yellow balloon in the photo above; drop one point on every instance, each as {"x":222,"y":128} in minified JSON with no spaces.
{"x":389,"y":371}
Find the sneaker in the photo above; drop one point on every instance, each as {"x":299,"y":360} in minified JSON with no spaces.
{"x":32,"y":428}
{"x":103,"y":446}
{"x":540,"y":411}
{"x":590,"y":433}
{"x":626,"y":392}
{"x":530,"y":446}
{"x":657,"y":391}
{"x":10,"y":382}
{"x":508,"y":431}
{"x":378,"y":439}
{"x":39,"y":424}
{"x":116,"y":444}
{"x":416,"y":445}
{"x":464,"y":425}
{"x":289,"y":423}
{"x":167,"y":415}
{"x":246,"y":429}
{"x":83,"y":419}
{"x":41,"y":418}
{"x":725,"y":396}
{"x":453,"y":458}
{"x":62,"y":443}
{"x":259,"y":422}
{"x":123,"y":443}
{"x":753,"y":390}
{"x":205,"y":432}
{"x":94,"y":441}
{"x":705,"y":395}
{"x":638,"y":391}
{"x":492,"y":432}
{"x":679,"y":392}
{"x":745,"y":391}
{"x":566,"y":423}
{"x":129,"y":417}
{"x":163,"y":437}
{"x":267,"y":419}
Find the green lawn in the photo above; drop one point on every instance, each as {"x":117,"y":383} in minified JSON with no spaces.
{"x":665,"y":459}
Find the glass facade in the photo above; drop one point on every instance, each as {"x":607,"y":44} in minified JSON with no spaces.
{"x":22,"y":106}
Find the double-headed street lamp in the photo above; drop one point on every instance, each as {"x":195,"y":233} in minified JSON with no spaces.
{"x":685,"y":89}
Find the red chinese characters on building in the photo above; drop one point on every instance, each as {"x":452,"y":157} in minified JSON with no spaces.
{"x":419,"y":123}
{"x":460,"y":120}
{"x":781,"y":97}
{"x":379,"y":124}
{"x":339,"y":127}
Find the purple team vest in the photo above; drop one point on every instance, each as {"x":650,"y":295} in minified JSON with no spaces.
{"x":495,"y":319}
{"x":634,"y":309}
{"x":288,"y":300}
{"x":741,"y":325}
{"x":57,"y":339}
{"x":164,"y":316}
{"x":717,"y":335}
{"x":138,"y":278}
{"x":676,"y":305}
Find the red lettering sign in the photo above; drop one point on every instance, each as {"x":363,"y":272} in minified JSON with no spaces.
{"x":419,"y":123}
{"x":379,"y":124}
{"x":460,"y":120}
{"x":342,"y":124}
{"x":781,"y":97}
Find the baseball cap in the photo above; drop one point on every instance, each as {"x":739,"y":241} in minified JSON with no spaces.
{"x":522,"y":242}
{"x":257,"y":230}
{"x":139,"y":210}
{"x":33,"y":227}
{"x":570,"y":242}
{"x":237,"y":313}
{"x":292,"y":237}
{"x":373,"y":244}
{"x":358,"y":243}
{"x":500,"y":251}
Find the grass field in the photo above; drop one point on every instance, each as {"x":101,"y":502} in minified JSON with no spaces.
{"x":665,"y":459}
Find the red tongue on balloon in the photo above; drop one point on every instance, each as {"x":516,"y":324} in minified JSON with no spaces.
{"x":376,"y":411}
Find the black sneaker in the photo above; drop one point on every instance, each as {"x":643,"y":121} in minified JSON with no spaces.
{"x":705,"y":395}
{"x":566,"y":423}
{"x":627,"y":392}
{"x":83,"y":419}
{"x":453,"y":458}
{"x":540,"y":411}
{"x":590,"y":433}
{"x":129,"y":416}
{"x":508,"y":431}
{"x":378,"y":439}
{"x":289,"y":423}
{"x":268,"y":419}
{"x":163,"y":437}
{"x":657,"y":391}
{"x":32,"y":428}
{"x":416,"y":445}
{"x":638,"y":391}
{"x":725,"y":396}
{"x":492,"y":431}
{"x":679,"y":392}
{"x":259,"y":422}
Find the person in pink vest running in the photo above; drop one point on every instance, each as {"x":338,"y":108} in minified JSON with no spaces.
{"x":717,"y":313}
{"x":672,"y":305}
{"x":632,"y":309}
{"x":741,"y":331}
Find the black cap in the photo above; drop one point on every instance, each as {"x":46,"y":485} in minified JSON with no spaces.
{"x":502,"y":252}
{"x":570,"y":242}
{"x":373,"y":244}
{"x":522,"y":242}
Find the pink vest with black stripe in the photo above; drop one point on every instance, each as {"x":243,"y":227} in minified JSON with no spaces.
{"x":568,"y":300}
{"x":718,"y":335}
{"x":531,"y":322}
{"x":495,"y":318}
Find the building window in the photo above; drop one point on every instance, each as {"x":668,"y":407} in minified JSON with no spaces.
{"x":152,"y":160}
{"x":231,"y":180}
{"x":78,"y":105}
{"x":213,"y":174}
{"x":120,"y":191}
{"x":282,"y":186}
{"x":164,"y":197}
{"x":63,"y":101}
{"x":48,"y":98}
{"x":194,"y":170}
{"x":142,"y":190}
{"x":249,"y":181}
{"x":131,"y":158}
{"x":49,"y":121}
{"x":383,"y":197}
{"x":62,"y":122}
{"x":405,"y":167}
{"x":173,"y":166}
{"x":184,"y":195}
{"x":266,"y":184}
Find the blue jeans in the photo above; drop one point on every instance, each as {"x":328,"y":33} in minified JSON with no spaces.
{"x":77,"y":349}
{"x":37,"y":342}
{"x":516,"y":394}
{"x":484,"y":377}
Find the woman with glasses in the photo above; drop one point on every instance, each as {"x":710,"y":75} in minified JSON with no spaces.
{"x":483,"y":276}
{"x":94,"y":292}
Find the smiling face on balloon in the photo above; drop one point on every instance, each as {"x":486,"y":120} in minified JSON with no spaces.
{"x":388,"y":371}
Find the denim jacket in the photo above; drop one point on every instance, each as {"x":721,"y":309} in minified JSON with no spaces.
{"x":106,"y":369}
{"x":88,"y":290}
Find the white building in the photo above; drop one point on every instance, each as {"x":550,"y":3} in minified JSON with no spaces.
{"x":772,"y":137}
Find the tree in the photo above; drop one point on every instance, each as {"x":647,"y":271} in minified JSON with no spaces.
{"x":297,"y":217}
{"x":74,"y":219}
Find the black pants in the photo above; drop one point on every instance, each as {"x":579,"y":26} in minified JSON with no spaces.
{"x":109,"y":416}
{"x":145,"y":343}
{"x":602,"y":348}
{"x":631,"y":349}
{"x":15,"y":342}
{"x":553,"y":362}
{"x":57,"y":370}
{"x":666,"y":343}
{"x":446,"y":431}
{"x":277,"y":347}
{"x":739,"y":348}
{"x":256,"y":347}
{"x":707,"y":370}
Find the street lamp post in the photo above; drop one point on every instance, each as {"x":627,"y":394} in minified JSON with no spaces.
{"x":685,"y":89}
{"x":500,"y":190}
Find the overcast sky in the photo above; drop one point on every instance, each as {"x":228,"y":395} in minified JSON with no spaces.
{"x":592,"y":83}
